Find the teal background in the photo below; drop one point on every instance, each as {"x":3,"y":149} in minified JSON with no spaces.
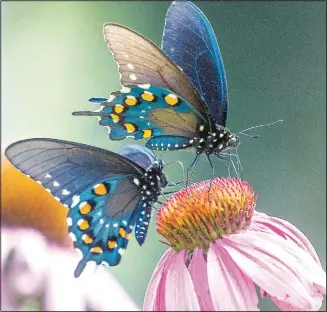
{"x":54,"y":58}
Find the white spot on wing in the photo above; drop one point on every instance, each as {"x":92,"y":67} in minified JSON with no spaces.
{"x":76,"y":200}
{"x":124,"y":222}
{"x":55,"y":183}
{"x":111,"y":98}
{"x":72,"y":236}
{"x":130,"y":66}
{"x":136,"y":181}
{"x":57,"y":198}
{"x":121,"y":251}
{"x":99,"y":109}
{"x":69,"y":221}
{"x":47,"y":176}
{"x":125,"y":90}
{"x":144,"y":86}
{"x":132,"y":77}
{"x":65,"y":192}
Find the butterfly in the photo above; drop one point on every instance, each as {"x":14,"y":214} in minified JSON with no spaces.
{"x":108,"y":194}
{"x":176,"y":98}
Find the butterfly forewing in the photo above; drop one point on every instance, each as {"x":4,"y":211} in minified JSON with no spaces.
{"x":190,"y":42}
{"x":142,"y":62}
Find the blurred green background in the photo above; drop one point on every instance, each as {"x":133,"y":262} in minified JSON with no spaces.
{"x":54,"y":58}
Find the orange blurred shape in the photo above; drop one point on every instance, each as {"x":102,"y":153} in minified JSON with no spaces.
{"x":25,"y":203}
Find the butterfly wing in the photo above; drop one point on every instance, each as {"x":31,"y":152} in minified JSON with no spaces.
{"x":142,"y":62}
{"x":96,"y":184}
{"x":149,"y":111}
{"x":138,"y":154}
{"x":190,"y":42}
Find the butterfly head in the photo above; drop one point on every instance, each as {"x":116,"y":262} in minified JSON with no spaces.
{"x":233,"y":140}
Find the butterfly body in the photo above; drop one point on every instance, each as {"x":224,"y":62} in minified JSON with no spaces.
{"x":109,"y":194}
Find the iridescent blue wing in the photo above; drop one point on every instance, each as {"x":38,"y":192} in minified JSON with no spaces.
{"x":190,"y":42}
{"x":150,"y":112}
{"x":96,"y":184}
{"x":142,"y":62}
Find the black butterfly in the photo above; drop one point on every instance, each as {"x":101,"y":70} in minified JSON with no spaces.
{"x":176,"y":98}
{"x":108,"y":194}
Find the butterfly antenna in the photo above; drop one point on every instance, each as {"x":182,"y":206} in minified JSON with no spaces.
{"x":255,"y":136}
{"x":262,"y":125}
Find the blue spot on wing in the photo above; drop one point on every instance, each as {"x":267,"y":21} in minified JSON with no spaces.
{"x":190,"y":42}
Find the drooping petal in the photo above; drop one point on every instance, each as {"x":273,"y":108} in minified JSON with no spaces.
{"x":286,"y":230}
{"x":180,"y":293}
{"x":288,"y":307}
{"x":155,"y":293}
{"x":198,"y":272}
{"x":230,"y":288}
{"x":281,"y":268}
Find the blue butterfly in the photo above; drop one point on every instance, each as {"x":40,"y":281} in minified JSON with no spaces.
{"x":175,"y":98}
{"x":108,"y":194}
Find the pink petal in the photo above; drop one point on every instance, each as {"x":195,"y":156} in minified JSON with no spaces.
{"x":286,"y":230}
{"x":288,"y":307}
{"x":198,"y":272}
{"x":230,"y":288}
{"x":280,"y":267}
{"x":180,"y":293}
{"x":155,"y":293}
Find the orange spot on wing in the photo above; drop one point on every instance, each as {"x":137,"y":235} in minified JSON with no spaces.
{"x":112,"y":244}
{"x":130,"y":100}
{"x":96,"y":249}
{"x":85,"y":208}
{"x":122,"y":232}
{"x":87,"y":239}
{"x":130,"y":128}
{"x":100,"y":189}
{"x":147,"y":96}
{"x":83,"y":224}
{"x":118,"y":108}
{"x":115,"y":118}
{"x":171,"y":99}
{"x":147,"y":133}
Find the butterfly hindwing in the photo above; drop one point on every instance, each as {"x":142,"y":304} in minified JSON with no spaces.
{"x":148,"y":112}
{"x":101,"y":221}
{"x":190,"y":42}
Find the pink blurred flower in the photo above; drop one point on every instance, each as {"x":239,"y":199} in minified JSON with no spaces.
{"x":33,"y":269}
{"x":221,"y":248}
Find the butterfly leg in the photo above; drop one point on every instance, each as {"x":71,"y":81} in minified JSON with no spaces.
{"x":212,"y":172}
{"x":190,"y":169}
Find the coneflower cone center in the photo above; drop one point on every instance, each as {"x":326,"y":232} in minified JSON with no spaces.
{"x":205,"y":211}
